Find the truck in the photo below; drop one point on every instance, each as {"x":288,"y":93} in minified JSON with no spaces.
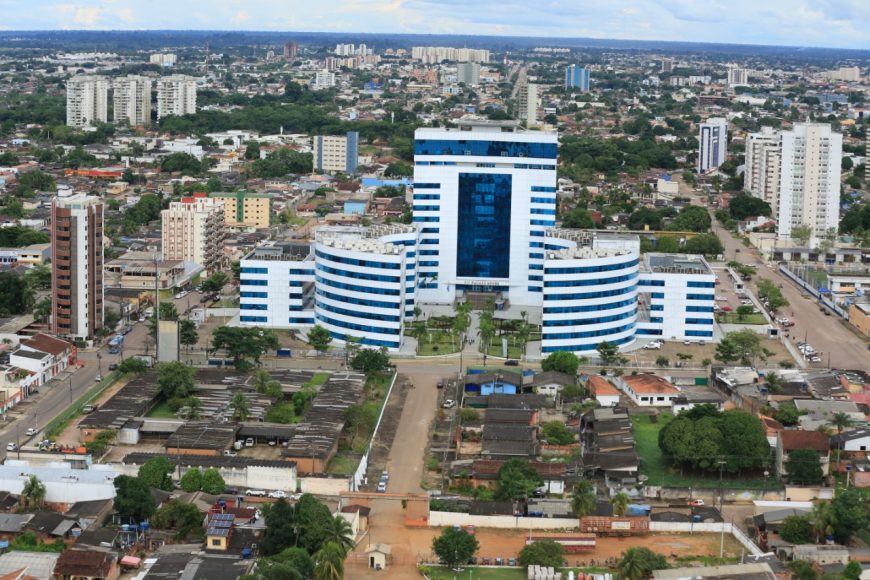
{"x":614,"y":526}
{"x":116,"y":343}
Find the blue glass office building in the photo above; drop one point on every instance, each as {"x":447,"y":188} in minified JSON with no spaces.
{"x":577,"y":77}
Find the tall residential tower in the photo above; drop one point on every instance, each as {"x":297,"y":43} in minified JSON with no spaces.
{"x":132,"y":101}
{"x":176,"y":95}
{"x":87,"y":99}
{"x":77,"y":266}
{"x":713,"y":144}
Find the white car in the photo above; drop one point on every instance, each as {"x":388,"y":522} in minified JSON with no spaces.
{"x":654,"y":345}
{"x":11,"y":447}
{"x":256,"y":492}
{"x":277,"y":494}
{"x":746,"y":302}
{"x":30,"y":431}
{"x":449,"y":404}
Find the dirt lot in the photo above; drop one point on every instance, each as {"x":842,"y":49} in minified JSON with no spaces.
{"x":700,"y":352}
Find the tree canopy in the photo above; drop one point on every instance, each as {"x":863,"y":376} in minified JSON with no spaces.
{"x":561,"y":361}
{"x":542,"y":553}
{"x":243,"y":344}
{"x":156,"y":472}
{"x":517,"y":480}
{"x":133,"y":498}
{"x":455,"y":546}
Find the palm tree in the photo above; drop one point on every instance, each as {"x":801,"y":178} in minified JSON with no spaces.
{"x":33,"y":492}
{"x":241,"y":407}
{"x":192,"y":408}
{"x":340,"y":533}
{"x":841,"y":420}
{"x":821,"y":518}
{"x":620,"y":503}
{"x":583,"y":499}
{"x":329,"y":562}
{"x":634,"y":564}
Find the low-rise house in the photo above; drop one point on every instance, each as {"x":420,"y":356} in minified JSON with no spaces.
{"x":822,"y":555}
{"x":551,"y":383}
{"x":793,"y":440}
{"x":648,"y":390}
{"x":857,"y":440}
{"x":606,"y":394}
{"x":11,"y":525}
{"x":43,"y":355}
{"x":29,"y":564}
{"x":86,"y":565}
{"x":63,"y":486}
{"x":752,"y":571}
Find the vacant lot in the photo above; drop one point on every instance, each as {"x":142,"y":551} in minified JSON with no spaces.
{"x":659,"y":471}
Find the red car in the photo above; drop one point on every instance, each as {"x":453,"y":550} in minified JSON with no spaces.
{"x":696,"y":502}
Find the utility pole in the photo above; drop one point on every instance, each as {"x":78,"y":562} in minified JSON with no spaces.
{"x":721,"y":501}
{"x":156,"y":311}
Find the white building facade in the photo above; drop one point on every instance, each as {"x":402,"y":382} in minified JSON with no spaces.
{"x":193,"y":230}
{"x":713,"y":144}
{"x":132,"y":101}
{"x":763,"y":156}
{"x":87,"y":100}
{"x":176,"y":95}
{"x":483,"y":197}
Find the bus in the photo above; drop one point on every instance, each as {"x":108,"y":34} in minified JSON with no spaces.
{"x":116,"y":343}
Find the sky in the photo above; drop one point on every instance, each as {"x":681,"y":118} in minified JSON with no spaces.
{"x":821,"y":23}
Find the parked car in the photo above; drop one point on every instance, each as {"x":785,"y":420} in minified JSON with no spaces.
{"x":746,"y":302}
{"x":385,"y":475}
{"x":696,"y":502}
{"x":249,"y":442}
{"x":511,"y":363}
{"x":113,"y":367}
{"x":382,"y":487}
{"x":229,"y":453}
{"x":88,"y":409}
{"x":256,"y":492}
{"x":470,"y":529}
{"x":98,"y":378}
{"x":449,"y":404}
{"x":30,"y":431}
{"x":11,"y":447}
{"x":440,"y":384}
{"x":277,"y":494}
{"x":653,"y":345}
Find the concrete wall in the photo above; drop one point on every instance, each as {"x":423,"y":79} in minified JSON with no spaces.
{"x":331,"y":486}
{"x":444,"y":519}
{"x":679,"y":494}
{"x":255,"y":477}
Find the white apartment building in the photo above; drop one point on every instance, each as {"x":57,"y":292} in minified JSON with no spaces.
{"x":194,"y":231}
{"x":468,"y":73}
{"x":323,"y":79}
{"x":712,"y":144}
{"x":527,"y":104}
{"x":438,"y":54}
{"x":336,"y":152}
{"x":761,"y":177}
{"x":163,"y":59}
{"x":132,"y":101}
{"x":737,"y":75}
{"x":809,"y":179}
{"x":87,"y":100}
{"x":176,"y":95}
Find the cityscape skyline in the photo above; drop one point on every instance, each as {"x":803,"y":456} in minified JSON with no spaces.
{"x":833,"y":24}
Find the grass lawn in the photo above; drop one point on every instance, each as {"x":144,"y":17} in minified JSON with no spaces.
{"x":231,"y":303}
{"x":817,"y":278}
{"x":658,"y":470}
{"x":342,"y":465}
{"x":317,"y":380}
{"x":732,"y":318}
{"x":161,"y":411}
{"x":435,"y":343}
{"x":515,"y":349}
{"x":496,"y":369}
{"x":444,"y":573}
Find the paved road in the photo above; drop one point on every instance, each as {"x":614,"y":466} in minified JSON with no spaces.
{"x":830,"y":335}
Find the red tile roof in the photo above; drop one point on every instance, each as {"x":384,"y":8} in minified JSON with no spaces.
{"x":647,"y":384}
{"x":600,"y":386}
{"x":49,"y":344}
{"x":793,"y":440}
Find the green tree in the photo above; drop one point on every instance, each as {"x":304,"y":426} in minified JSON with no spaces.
{"x":852,"y":571}
{"x":215,"y":283}
{"x":38,"y":278}
{"x":542,"y":553}
{"x":33,"y":492}
{"x":32,"y":181}
{"x":297,"y":558}
{"x":212,"y":482}
{"x":132,"y":366}
{"x":156,"y":472}
{"x":42,"y":310}
{"x":743,"y":311}
{"x":340,"y":533}
{"x":184,"y":163}
{"x":561,"y":361}
{"x":802,"y":233}
{"x":370,"y":361}
{"x":607,"y":352}
{"x":804,"y":467}
{"x":241,"y":407}
{"x":282,"y":528}
{"x":557,"y":433}
{"x":583,"y":498}
{"x":187,"y":334}
{"x":706,"y":244}
{"x":455,"y":546}
{"x":742,"y":345}
{"x":744,"y":206}
{"x":797,"y":530}
{"x":692,"y":218}
{"x":252,"y":150}
{"x":639,"y":563}
{"x":578,"y":218}
{"x":517,"y":480}
{"x":175,"y":379}
{"x":329,"y":562}
{"x":802,"y":570}
{"x":191,"y":481}
{"x":319,"y":338}
{"x":184,"y":518}
{"x":133,"y":498}
{"x":841,"y":420}
{"x":620,"y":503}
{"x":849,"y":511}
{"x":167,"y":312}
{"x":15,"y":297}
{"x":244,"y":343}
{"x":266,"y":385}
